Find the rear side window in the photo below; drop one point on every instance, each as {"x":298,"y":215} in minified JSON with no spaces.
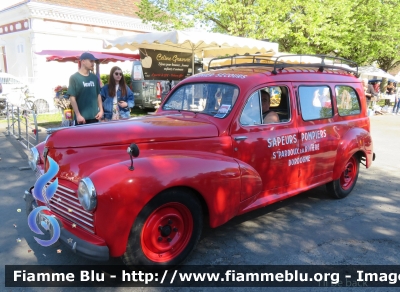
{"x":347,"y":101}
{"x":315,"y":102}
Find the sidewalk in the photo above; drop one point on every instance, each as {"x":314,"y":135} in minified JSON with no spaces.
{"x":13,"y":154}
{"x":42,"y":133}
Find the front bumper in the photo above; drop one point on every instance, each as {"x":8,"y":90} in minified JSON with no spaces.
{"x":75,"y":243}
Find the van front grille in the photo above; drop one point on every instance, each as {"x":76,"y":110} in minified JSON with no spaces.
{"x":65,"y":203}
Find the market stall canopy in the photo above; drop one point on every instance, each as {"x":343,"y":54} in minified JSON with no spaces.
{"x":201,"y":44}
{"x":73,"y":56}
{"x":397,"y":77}
{"x":371,"y":72}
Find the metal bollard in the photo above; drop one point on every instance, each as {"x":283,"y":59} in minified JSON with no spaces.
{"x":8,"y":119}
{"x":19,"y":124}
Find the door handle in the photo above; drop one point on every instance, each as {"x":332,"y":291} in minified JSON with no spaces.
{"x":240,"y":138}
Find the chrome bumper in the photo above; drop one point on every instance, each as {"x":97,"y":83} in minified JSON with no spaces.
{"x":74,"y":243}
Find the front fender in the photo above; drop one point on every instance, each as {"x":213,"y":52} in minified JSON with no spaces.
{"x":123,"y":193}
{"x":356,"y":139}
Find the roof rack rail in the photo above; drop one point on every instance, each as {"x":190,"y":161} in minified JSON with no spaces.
{"x":242,"y":60}
{"x":333,"y":63}
{"x":311,"y":61}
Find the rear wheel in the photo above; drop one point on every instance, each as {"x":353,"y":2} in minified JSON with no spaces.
{"x":343,"y":186}
{"x":166,"y":230}
{"x":41,"y":106}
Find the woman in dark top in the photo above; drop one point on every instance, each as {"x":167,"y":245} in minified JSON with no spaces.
{"x":390,"y":88}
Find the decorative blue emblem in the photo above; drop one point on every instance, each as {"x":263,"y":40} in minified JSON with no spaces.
{"x":49,"y":223}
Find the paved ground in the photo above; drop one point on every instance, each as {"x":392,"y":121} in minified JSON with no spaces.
{"x":308,"y":229}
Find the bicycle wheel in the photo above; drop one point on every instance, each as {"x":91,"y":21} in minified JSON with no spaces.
{"x":41,"y":106}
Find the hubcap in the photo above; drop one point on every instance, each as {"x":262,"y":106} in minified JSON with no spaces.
{"x":348,"y":176}
{"x":166,"y":232}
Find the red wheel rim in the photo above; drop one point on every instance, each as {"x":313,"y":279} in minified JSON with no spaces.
{"x":349,"y":174}
{"x":167,"y":232}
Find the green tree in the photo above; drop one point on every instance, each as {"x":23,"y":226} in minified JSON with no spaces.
{"x":376,"y":33}
{"x":360,"y":30}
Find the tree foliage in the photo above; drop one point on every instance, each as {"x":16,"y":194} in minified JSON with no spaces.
{"x":361,"y":30}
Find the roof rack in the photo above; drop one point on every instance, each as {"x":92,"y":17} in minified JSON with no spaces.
{"x":278,"y":63}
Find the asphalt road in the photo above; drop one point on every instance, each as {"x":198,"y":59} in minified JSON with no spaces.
{"x":309,"y":229}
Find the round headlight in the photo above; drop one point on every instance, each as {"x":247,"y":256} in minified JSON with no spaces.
{"x":33,"y":158}
{"x":87,"y":194}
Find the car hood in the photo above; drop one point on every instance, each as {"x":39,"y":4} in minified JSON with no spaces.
{"x":136,"y":130}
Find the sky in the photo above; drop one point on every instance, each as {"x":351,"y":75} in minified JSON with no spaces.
{"x":7,"y":3}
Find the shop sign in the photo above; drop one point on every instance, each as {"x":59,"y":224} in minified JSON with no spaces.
{"x":163,"y":65}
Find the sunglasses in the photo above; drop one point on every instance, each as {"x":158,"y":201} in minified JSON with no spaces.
{"x":118,"y":73}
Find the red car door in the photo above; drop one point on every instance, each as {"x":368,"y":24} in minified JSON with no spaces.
{"x":267,"y":148}
{"x":317,"y":131}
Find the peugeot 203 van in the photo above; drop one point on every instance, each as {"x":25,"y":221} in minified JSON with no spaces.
{"x":141,"y":188}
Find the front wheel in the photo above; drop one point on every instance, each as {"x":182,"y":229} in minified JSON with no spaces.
{"x":343,"y":186}
{"x":166,"y":231}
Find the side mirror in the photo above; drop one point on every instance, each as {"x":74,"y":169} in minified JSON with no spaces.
{"x":133,"y":151}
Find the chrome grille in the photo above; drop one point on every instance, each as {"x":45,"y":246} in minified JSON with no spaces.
{"x":38,"y":173}
{"x":65,"y":203}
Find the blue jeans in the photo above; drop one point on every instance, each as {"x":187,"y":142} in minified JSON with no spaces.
{"x":396,"y":105}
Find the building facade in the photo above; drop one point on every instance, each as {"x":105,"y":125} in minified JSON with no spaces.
{"x":35,"y":25}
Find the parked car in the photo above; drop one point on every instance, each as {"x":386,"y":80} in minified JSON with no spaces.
{"x":20,"y":94}
{"x":206,"y":152}
{"x":12,"y":86}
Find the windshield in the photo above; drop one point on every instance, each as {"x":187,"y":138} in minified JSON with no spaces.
{"x":214,"y":99}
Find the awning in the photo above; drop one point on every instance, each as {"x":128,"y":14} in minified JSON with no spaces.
{"x":73,"y":56}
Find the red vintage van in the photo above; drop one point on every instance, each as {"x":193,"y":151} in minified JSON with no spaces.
{"x":250,"y":132}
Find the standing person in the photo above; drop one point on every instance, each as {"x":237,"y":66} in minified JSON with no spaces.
{"x":390,"y":90}
{"x":377,"y":87}
{"x":84,"y":92}
{"x":116,"y":96}
{"x":369,"y":92}
{"x":396,"y":106}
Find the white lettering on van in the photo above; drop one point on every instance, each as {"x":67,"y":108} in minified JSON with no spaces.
{"x":282,"y":140}
{"x":313,"y":135}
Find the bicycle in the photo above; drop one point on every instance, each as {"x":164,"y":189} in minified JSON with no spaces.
{"x":3,"y":105}
{"x":39,"y":106}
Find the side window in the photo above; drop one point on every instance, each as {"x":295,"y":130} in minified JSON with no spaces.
{"x":347,"y":101}
{"x":280,"y":102}
{"x":251,"y":114}
{"x":315,"y":102}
